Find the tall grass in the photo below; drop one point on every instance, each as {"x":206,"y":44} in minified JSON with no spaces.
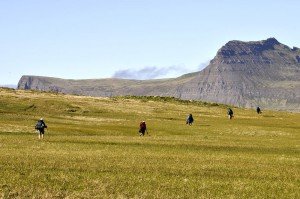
{"x":92,"y":149}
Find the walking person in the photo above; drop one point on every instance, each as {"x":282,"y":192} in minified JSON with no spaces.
{"x":229,"y":113}
{"x":190,"y":119}
{"x":258,"y":110}
{"x":40,"y":127}
{"x":143,"y":128}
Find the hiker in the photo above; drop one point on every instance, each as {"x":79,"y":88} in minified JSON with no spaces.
{"x":143,"y":128}
{"x":258,"y":110}
{"x":229,"y":113}
{"x":40,"y":126}
{"x":190,"y":119}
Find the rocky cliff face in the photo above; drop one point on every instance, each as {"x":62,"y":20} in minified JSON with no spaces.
{"x":248,"y":74}
{"x":245,"y":74}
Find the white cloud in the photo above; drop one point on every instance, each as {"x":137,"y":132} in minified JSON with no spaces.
{"x":155,"y":72}
{"x":151,"y":72}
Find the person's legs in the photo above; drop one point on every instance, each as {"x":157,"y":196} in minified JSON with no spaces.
{"x":41,"y":134}
{"x":143,"y":131}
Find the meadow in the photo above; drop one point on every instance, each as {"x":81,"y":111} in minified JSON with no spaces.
{"x":92,"y":149}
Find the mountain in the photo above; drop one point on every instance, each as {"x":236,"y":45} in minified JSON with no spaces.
{"x":245,"y":74}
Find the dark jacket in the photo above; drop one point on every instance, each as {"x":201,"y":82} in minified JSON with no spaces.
{"x":229,"y":111}
{"x":40,"y":125}
{"x":190,"y":119}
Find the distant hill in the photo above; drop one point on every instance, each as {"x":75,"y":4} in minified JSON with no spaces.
{"x":245,"y":74}
{"x":9,"y":86}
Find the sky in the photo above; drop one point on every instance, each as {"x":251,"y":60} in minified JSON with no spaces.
{"x":135,"y":39}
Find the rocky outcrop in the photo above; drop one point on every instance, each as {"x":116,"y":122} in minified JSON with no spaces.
{"x":245,"y":74}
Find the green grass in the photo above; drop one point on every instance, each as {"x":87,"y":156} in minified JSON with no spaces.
{"x":92,"y":149}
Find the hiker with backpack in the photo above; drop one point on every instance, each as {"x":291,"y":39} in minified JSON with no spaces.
{"x":143,"y":128}
{"x":190,"y":119}
{"x":40,"y":127}
{"x":229,"y":113}
{"x":258,"y":110}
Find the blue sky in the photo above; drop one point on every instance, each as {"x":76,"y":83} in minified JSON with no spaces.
{"x":81,"y":39}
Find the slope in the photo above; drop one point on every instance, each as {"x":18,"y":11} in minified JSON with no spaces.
{"x":92,"y":149}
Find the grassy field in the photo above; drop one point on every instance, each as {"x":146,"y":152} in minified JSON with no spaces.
{"x":92,"y":149}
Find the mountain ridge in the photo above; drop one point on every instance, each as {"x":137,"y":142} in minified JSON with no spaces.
{"x":246,"y":74}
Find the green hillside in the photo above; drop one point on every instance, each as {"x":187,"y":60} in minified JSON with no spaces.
{"x":92,"y":149}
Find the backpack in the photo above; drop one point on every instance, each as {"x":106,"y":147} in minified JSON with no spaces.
{"x":142,"y":125}
{"x":39,"y":125}
{"x":191,"y":119}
